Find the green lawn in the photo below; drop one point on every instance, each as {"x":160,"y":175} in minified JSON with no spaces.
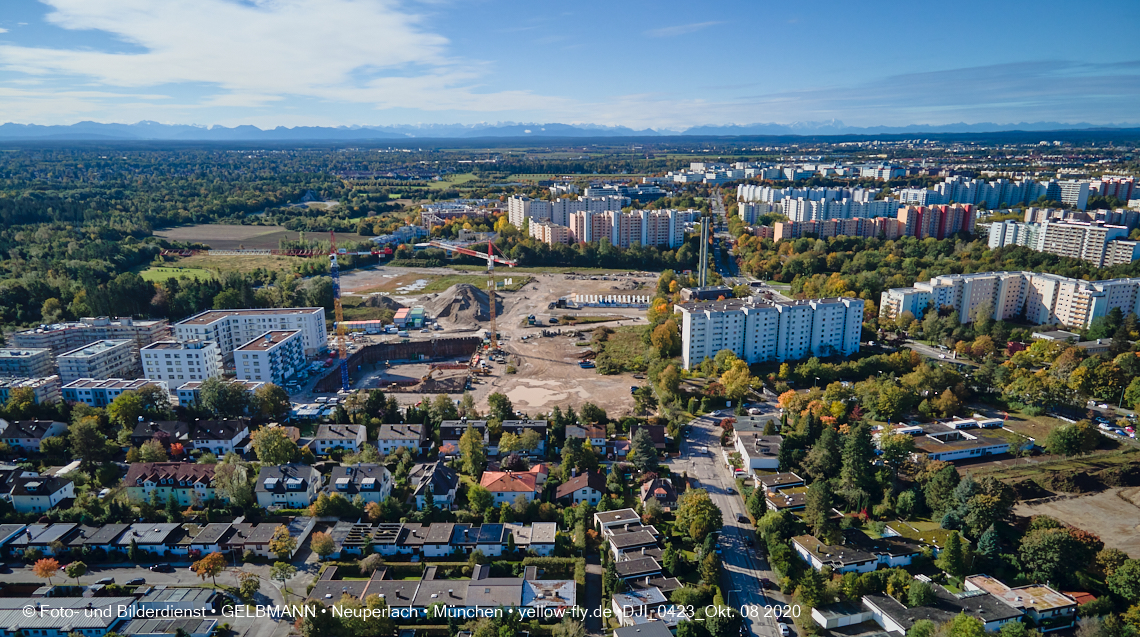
{"x":159,"y":274}
{"x":452,"y":181}
{"x":626,"y":350}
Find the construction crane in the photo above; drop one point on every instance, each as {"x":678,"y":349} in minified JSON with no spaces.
{"x":492,"y":259}
{"x":342,"y":348}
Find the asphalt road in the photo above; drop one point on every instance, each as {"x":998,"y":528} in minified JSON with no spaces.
{"x":744,"y":567}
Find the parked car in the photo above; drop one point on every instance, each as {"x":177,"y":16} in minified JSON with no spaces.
{"x":784,"y":632}
{"x":743,"y":519}
{"x":137,"y":581}
{"x":162,"y":568}
{"x":106,"y":580}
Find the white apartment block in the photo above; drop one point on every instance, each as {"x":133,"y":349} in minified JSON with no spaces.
{"x":749,"y":212}
{"x":271,"y":357}
{"x":758,"y":330}
{"x":63,"y":337}
{"x":520,"y":208}
{"x":26,"y":363}
{"x":801,"y":209}
{"x":100,"y":360}
{"x":231,"y":329}
{"x":1094,"y":242}
{"x":1042,"y":299}
{"x":177,"y":362}
{"x":100,"y":393}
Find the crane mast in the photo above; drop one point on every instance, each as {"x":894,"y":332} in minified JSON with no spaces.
{"x":342,"y":348}
{"x":491,"y":295}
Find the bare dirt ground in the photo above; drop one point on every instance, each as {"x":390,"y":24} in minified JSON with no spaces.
{"x":547,"y":368}
{"x":221,"y":236}
{"x":1113,"y":514}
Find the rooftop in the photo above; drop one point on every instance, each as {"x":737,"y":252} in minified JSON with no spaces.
{"x":1039,"y":597}
{"x":209,"y":316}
{"x":267,"y":341}
{"x":400,"y":432}
{"x":96,"y":348}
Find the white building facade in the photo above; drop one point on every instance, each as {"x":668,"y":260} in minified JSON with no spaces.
{"x":272,"y":357}
{"x":231,"y":329}
{"x":179,"y":362}
{"x":757,"y":330}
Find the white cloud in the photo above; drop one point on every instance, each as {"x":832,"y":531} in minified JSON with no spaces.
{"x":367,"y":51}
{"x":3,"y":30}
{"x":681,"y":29}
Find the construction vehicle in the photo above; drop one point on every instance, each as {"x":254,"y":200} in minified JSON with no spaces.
{"x":491,"y":258}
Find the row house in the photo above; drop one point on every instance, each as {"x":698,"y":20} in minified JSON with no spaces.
{"x":372,"y":482}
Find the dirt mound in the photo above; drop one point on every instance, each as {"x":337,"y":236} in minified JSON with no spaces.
{"x":461,"y":304}
{"x":1029,"y":490}
{"x":383,"y":302}
{"x":1071,"y":483}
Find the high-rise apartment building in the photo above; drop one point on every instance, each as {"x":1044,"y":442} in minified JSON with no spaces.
{"x":758,"y":330}
{"x":233,"y":328}
{"x":549,"y":233}
{"x":1094,"y":242}
{"x":1041,"y":299}
{"x":939,"y":221}
{"x":272,"y":357}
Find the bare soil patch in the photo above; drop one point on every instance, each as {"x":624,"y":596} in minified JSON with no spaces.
{"x":1113,"y":514}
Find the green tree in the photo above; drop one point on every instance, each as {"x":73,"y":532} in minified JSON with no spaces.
{"x":88,"y":444}
{"x":152,"y":451}
{"x":824,"y":460}
{"x":952,"y":559}
{"x":224,"y":399}
{"x":282,"y":544}
{"x":1125,"y":581}
{"x":272,"y":402}
{"x":642,"y":451}
{"x":282,"y":572}
{"x":500,"y":407}
{"x":472,"y":454}
{"x":1044,"y":555}
{"x":817,"y":511}
{"x":697,"y":515}
{"x":75,"y":570}
{"x":919,"y":594}
{"x":479,"y":499}
{"x":855,"y":477}
{"x":922,"y":628}
{"x":248,"y":586}
{"x":964,"y":625}
{"x":273,"y":447}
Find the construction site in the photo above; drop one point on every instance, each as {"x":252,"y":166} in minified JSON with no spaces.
{"x":539,"y":326}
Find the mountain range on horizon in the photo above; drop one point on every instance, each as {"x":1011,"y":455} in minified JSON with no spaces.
{"x":155,"y":131}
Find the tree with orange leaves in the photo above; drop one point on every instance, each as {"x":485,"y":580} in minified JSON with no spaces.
{"x":210,"y":566}
{"x":46,"y":568}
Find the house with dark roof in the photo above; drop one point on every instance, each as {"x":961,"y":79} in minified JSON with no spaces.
{"x":656,"y":432}
{"x":391,"y":438}
{"x":156,"y":538}
{"x":372,"y":482}
{"x":437,"y":539}
{"x":43,"y":537}
{"x":538,"y":537}
{"x":1048,"y":608}
{"x":220,"y":437}
{"x":441,"y":479}
{"x":26,"y":435}
{"x":588,"y":487}
{"x":604,"y":520}
{"x":518,"y":427}
{"x":206,"y":539}
{"x":637,"y":568}
{"x":165,"y":431}
{"x":894,"y":617}
{"x":289,"y":486}
{"x":776,"y":481}
{"x":450,"y":431}
{"x":859,"y":553}
{"x":347,"y":438}
{"x":660,"y":489}
{"x":191,"y":484}
{"x":757,"y":450}
{"x":41,"y":493}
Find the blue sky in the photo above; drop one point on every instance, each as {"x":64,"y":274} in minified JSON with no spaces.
{"x":663,"y":64}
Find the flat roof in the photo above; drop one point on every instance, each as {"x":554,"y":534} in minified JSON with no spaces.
{"x":209,"y":316}
{"x":109,"y":383}
{"x":268,"y":340}
{"x":23,"y":352}
{"x":193,"y":344}
{"x":1036,"y":596}
{"x":96,"y":348}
